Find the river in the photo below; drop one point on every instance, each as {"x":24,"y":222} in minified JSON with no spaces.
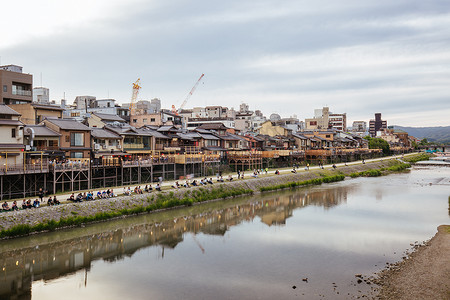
{"x":307,"y":243}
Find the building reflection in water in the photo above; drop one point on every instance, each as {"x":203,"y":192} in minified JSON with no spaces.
{"x":57,"y":259}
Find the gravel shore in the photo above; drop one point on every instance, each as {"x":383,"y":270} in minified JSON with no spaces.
{"x":424,"y":274}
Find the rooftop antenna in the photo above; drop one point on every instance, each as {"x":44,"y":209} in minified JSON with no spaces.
{"x":41,"y":79}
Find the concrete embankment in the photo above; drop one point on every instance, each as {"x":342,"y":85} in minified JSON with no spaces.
{"x":125,"y":205}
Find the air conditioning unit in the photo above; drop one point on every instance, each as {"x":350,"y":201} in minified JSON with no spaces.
{"x":104,"y":146}
{"x":96,"y":147}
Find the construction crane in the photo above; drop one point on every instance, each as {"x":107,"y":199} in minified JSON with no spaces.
{"x":134,"y":95}
{"x":176,"y":111}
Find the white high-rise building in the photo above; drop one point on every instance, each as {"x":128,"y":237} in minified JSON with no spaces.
{"x":41,"y":95}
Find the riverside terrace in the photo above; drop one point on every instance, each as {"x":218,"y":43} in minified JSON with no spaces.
{"x":169,"y":185}
{"x":18,"y":182}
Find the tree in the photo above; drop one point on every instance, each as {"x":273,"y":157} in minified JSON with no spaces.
{"x":424,"y":142}
{"x":377,"y":143}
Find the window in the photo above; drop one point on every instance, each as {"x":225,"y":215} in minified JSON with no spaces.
{"x":76,"y":139}
{"x":313,"y":123}
{"x":134,"y":120}
{"x":5,"y":88}
{"x":67,"y":138}
{"x":109,"y":104}
{"x":144,"y":120}
{"x":13,"y":132}
{"x":76,"y":154}
{"x":152,"y":120}
{"x":328,"y":136}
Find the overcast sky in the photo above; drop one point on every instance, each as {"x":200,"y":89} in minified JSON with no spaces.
{"x":285,"y":57}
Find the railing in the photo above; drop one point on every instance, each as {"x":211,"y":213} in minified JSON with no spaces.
{"x":21,"y":92}
{"x":75,"y":164}
{"x":44,"y":148}
{"x":150,"y":161}
{"x":133,"y":146}
{"x":24,"y":168}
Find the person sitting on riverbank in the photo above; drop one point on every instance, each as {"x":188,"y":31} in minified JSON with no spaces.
{"x":29,"y":204}
{"x":277,"y":172}
{"x":175,"y":185}
{"x":72,"y":197}
{"x":295,"y":171}
{"x":14,"y":206}
{"x":89,"y":196}
{"x":5,"y":206}
{"x":79,"y":198}
{"x":158,"y":187}
{"x":210,"y":181}
{"x":194,"y":183}
{"x":230,"y":178}
{"x":24,"y":204}
{"x":36,"y":203}
{"x":363,"y":161}
{"x":186,"y":184}
{"x":56,"y":201}
{"x":50,"y":201}
{"x":255,"y":174}
{"x":220,"y":179}
{"x":334,"y":166}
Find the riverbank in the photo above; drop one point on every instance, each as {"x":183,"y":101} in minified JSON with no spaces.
{"x":424,"y":274}
{"x":15,"y":223}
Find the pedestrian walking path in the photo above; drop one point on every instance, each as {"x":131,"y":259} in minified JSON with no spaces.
{"x":167,"y":185}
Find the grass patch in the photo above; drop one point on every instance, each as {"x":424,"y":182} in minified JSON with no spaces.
{"x":315,"y":181}
{"x":397,"y":167}
{"x":419,"y":157}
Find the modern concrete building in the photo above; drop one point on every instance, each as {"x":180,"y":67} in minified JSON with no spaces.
{"x":41,"y":95}
{"x":15,"y":86}
{"x":338,"y":121}
{"x":320,"y":120}
{"x":376,"y":125}
{"x":359,"y":126}
{"x":83,"y":106}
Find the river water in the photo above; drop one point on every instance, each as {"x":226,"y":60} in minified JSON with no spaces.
{"x":261,"y":247}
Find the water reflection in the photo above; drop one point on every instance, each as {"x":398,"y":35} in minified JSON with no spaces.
{"x":47,"y":261}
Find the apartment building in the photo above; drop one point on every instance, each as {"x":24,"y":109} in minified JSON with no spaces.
{"x":376,"y":124}
{"x":15,"y":86}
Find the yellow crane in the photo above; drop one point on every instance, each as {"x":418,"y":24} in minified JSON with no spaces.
{"x":134,"y":95}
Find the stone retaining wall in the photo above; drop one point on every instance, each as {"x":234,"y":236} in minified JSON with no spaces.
{"x":91,"y":208}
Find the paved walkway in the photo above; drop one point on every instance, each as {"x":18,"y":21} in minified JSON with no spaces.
{"x":167,"y":185}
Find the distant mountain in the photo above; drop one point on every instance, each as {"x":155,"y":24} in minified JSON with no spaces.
{"x":439,"y":134}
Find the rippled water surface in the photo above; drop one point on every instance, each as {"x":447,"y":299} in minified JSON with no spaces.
{"x":246,"y":248}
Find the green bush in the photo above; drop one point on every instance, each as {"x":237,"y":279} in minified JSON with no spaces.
{"x":315,"y":181}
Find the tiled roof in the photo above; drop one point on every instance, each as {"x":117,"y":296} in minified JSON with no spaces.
{"x":109,"y":117}
{"x":68,"y":124}
{"x":48,"y":107}
{"x":41,"y":130}
{"x":6,"y":110}
{"x":104,"y":134}
{"x":10,"y":122}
